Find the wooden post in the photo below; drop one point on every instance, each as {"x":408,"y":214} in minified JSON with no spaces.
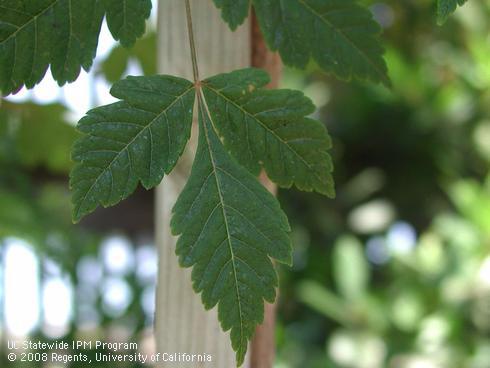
{"x":263,"y":350}
{"x":181,"y":323}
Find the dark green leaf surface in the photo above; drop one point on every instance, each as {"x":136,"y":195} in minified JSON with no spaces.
{"x":62,"y":34}
{"x":137,"y":139}
{"x":230,"y":228}
{"x":126,"y":19}
{"x":340,"y":35}
{"x":234,"y":12}
{"x":446,"y":7}
{"x":269,"y":129}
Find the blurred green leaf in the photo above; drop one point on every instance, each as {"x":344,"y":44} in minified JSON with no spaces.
{"x":473,"y":201}
{"x":40,"y":134}
{"x":407,"y":310}
{"x":350,"y":268}
{"x":323,"y":301}
{"x":431,"y":259}
{"x":144,"y":53}
{"x":18,"y":218}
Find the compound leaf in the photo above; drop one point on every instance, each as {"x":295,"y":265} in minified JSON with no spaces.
{"x":340,"y":35}
{"x":126,"y":19}
{"x":234,"y":12}
{"x":269,"y":129}
{"x":446,"y":7}
{"x":230,"y":228}
{"x":62,"y":34}
{"x":137,"y":139}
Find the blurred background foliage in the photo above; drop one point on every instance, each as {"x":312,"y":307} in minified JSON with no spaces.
{"x":395,"y":272}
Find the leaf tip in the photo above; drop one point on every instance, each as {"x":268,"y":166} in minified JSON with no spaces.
{"x":240,"y":355}
{"x":331,"y":192}
{"x":75,"y":215}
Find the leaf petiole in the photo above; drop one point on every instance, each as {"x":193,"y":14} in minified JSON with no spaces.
{"x":190,"y":31}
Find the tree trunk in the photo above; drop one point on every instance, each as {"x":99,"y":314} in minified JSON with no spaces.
{"x":182,"y":325}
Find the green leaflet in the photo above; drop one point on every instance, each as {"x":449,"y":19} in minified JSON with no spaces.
{"x":126,"y":19}
{"x":137,"y":139}
{"x":230,"y":227}
{"x":268,"y":128}
{"x":446,"y":7}
{"x":62,"y":34}
{"x":234,"y":12}
{"x":340,"y":35}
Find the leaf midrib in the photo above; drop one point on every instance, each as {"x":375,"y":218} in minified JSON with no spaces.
{"x":201,"y":101}
{"x":125,"y":148}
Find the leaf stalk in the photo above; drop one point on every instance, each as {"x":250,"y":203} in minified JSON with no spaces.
{"x":190,"y":31}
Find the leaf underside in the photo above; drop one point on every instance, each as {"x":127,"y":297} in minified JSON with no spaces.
{"x":230,"y":228}
{"x":62,"y":34}
{"x":269,"y":129}
{"x":341,"y":36}
{"x":137,"y":139}
{"x":446,"y":7}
